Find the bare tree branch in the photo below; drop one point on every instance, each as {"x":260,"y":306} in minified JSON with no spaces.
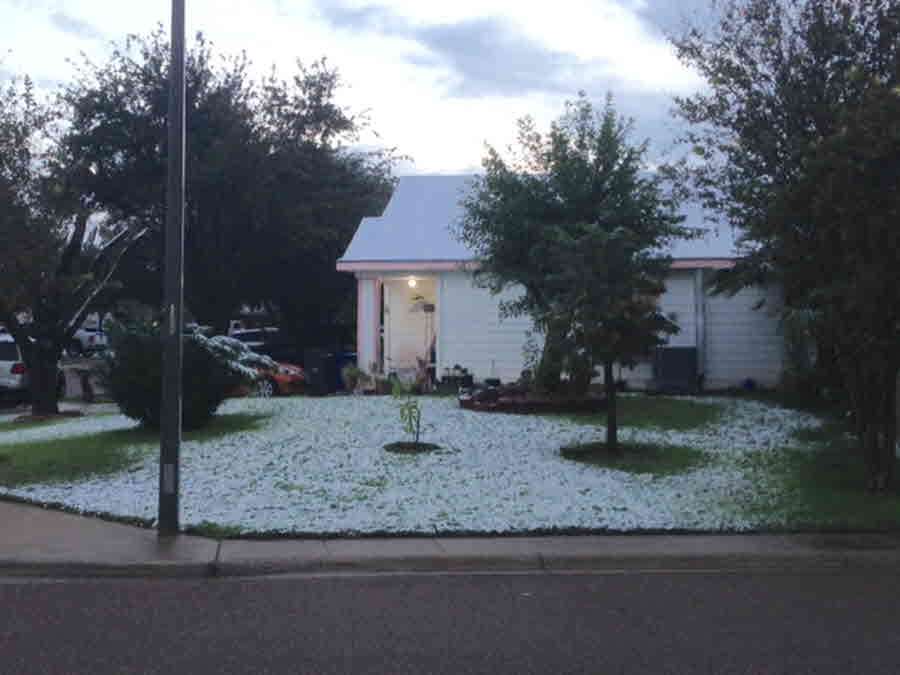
{"x":78,"y":316}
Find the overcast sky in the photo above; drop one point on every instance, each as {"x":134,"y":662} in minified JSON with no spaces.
{"x":439,"y":78}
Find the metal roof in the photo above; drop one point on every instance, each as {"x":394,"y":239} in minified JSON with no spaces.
{"x":417,"y":223}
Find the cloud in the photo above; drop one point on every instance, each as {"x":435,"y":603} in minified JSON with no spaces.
{"x":671,"y":17}
{"x":369,"y":17}
{"x":490,"y":59}
{"x":45,"y":83}
{"x":652,"y":120}
{"x":75,"y":26}
{"x":486,"y":56}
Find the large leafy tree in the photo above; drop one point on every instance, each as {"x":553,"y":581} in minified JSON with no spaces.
{"x":577,"y":223}
{"x":273,"y":192}
{"x":849,"y":189}
{"x":795,"y":133}
{"x":50,"y":271}
{"x":316,"y":192}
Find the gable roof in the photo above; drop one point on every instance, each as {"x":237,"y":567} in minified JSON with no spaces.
{"x":416,"y":227}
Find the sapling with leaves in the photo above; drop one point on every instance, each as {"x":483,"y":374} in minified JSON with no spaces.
{"x":411,"y":419}
{"x":410,"y":413}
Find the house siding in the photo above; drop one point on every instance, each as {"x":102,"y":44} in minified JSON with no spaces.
{"x":743,"y":342}
{"x":474,"y":336}
{"x":740,"y":342}
{"x":678,"y":299}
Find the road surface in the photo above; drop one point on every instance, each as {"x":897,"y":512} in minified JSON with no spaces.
{"x":682,"y":623}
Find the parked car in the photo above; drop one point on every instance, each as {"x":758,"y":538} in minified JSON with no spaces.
{"x":284,"y":380}
{"x":287,"y":379}
{"x":87,"y":340}
{"x":14,"y":383}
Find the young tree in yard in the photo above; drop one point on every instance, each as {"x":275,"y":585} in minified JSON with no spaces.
{"x":797,"y":133}
{"x":271,"y":189}
{"x":609,"y":278}
{"x":49,"y":272}
{"x":582,"y":229}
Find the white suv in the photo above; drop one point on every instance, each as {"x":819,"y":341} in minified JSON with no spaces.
{"x":13,"y":375}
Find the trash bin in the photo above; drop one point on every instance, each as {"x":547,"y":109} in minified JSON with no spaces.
{"x":322,"y":374}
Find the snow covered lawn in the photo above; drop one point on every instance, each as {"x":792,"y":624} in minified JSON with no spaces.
{"x":317,"y":465}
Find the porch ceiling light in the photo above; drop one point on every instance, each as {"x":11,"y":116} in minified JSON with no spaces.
{"x":412,"y":283}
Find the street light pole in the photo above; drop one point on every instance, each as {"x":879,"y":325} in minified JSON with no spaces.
{"x":170,"y":418}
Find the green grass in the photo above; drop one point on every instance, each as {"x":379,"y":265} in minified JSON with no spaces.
{"x":67,"y":459}
{"x":821,"y":484}
{"x":215,"y":531}
{"x":822,"y":489}
{"x":655,"y":412}
{"x":645,"y":458}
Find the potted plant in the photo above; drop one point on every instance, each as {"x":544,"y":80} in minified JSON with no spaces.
{"x":350,"y":375}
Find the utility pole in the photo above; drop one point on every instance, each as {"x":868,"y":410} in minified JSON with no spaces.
{"x":173,"y":270}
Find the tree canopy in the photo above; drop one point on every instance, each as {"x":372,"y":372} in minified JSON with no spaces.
{"x":50,"y":271}
{"x":274,"y":187}
{"x":797,"y":139}
{"x":578,"y":224}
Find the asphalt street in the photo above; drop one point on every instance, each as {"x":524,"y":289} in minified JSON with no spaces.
{"x":683,"y":623}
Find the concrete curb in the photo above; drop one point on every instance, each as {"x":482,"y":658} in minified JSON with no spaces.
{"x":630,"y":564}
{"x":262,"y":567}
{"x":87,"y":570}
{"x":560,"y":564}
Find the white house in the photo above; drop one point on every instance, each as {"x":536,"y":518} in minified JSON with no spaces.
{"x":415,"y":290}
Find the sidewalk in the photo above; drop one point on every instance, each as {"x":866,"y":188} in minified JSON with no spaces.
{"x":36,"y":541}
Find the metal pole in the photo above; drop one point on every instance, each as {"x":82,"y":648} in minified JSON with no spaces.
{"x":170,"y":432}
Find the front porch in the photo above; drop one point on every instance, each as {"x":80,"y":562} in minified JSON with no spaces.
{"x":397,"y":323}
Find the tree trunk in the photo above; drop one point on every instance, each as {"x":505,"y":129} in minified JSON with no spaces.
{"x":612,"y":428}
{"x":887,"y":433}
{"x":549,"y":370}
{"x":42,"y":364}
{"x":581,"y":371}
{"x":878,"y":430}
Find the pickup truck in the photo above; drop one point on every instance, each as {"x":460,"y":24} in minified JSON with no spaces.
{"x":87,"y":340}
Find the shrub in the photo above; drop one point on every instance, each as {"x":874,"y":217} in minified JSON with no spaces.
{"x":212,"y":369}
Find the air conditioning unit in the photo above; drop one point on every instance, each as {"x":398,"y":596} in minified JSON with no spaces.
{"x":675,"y":370}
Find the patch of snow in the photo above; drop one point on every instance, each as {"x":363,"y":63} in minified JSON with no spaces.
{"x":318,"y":465}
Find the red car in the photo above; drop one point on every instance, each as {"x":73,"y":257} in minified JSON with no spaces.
{"x":286,"y":380}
